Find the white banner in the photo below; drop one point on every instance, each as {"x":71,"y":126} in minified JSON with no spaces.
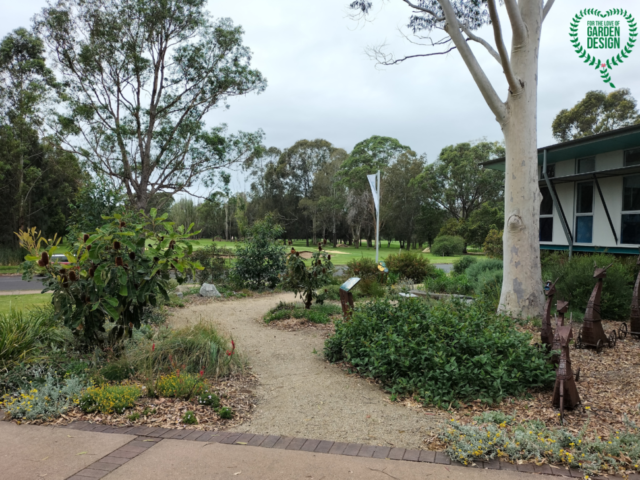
{"x":375,"y":189}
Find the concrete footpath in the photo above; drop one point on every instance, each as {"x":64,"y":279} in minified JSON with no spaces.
{"x":82,"y":451}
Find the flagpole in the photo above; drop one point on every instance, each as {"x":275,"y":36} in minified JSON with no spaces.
{"x":378,"y":212}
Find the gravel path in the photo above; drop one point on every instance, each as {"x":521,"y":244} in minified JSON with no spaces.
{"x":302,"y":395}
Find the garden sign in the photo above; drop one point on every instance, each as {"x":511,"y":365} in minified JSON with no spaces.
{"x":603,"y":47}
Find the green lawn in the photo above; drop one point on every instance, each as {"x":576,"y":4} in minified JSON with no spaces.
{"x":9,"y":268}
{"x":347,"y":254}
{"x":23,"y":302}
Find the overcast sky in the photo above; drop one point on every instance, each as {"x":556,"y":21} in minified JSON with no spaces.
{"x":321,"y":83}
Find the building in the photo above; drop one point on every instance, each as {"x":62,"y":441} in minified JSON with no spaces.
{"x":591,"y":193}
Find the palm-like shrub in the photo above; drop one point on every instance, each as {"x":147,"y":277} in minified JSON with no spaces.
{"x":305,"y":281}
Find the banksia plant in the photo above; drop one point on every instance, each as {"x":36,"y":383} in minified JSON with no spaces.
{"x":119,"y":261}
{"x":132,"y":255}
{"x":85,"y":237}
{"x":44,"y":259}
{"x":72,"y":276}
{"x":116,"y":245}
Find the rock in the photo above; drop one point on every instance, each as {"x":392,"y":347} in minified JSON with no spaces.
{"x":180,"y":295}
{"x":209,"y":290}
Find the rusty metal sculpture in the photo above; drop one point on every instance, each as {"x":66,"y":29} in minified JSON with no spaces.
{"x":556,"y":346}
{"x":561,"y":307}
{"x":592,"y":334}
{"x":546,"y":332}
{"x":565,"y":392}
{"x":635,"y":308}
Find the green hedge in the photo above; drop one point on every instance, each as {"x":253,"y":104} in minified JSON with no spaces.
{"x":447,"y":245}
{"x":442,"y":352}
{"x":576,"y":281}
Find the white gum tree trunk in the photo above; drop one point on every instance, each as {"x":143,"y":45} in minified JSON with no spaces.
{"x":521,"y":288}
{"x":517,"y":116}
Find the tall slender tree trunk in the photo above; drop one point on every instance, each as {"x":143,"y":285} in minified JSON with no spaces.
{"x":522,"y":284}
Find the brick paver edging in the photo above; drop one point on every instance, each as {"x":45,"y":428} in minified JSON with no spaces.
{"x":149,"y":436}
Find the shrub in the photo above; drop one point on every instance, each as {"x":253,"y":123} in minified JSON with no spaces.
{"x":305,"y":280}
{"x":532,"y":441}
{"x":442,"y":352}
{"x":461,"y":265}
{"x":225,"y":413}
{"x":180,"y":386}
{"x":477,"y":268}
{"x":576,"y":282}
{"x":215,"y":265}
{"x":113,"y":274}
{"x":410,"y":265}
{"x":209,"y":399}
{"x":260,"y":260}
{"x":109,"y":399}
{"x":332,"y":292}
{"x":47,"y":400}
{"x":23,"y":334}
{"x":195,"y":348}
{"x":189,"y":418}
{"x":362,"y":267}
{"x":370,"y":287}
{"x":489,"y":286}
{"x":447,"y":246}
{"x":317,"y":313}
{"x":116,"y":371}
{"x":493,"y":244}
{"x":450,"y":284}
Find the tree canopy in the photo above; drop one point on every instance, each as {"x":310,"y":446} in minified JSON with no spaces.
{"x":597,"y":112}
{"x":141,"y":76}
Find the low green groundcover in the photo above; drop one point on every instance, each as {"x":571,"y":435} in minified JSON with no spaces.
{"x":440,"y":352}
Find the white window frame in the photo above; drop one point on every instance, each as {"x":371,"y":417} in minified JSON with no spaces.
{"x":589,"y":214}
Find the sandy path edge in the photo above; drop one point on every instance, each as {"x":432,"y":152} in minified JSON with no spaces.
{"x":302,"y":395}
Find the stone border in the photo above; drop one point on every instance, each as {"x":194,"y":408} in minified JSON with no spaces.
{"x":149,"y":436}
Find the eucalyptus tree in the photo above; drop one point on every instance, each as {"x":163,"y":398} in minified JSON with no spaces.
{"x":403,"y":197}
{"x":37,"y":179}
{"x":298,"y":166}
{"x":597,"y":112}
{"x":366,"y":158}
{"x":141,"y":77}
{"x":459,"y":21}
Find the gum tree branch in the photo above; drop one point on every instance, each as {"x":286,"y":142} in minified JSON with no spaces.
{"x":514,"y":83}
{"x":482,"y":42}
{"x":517,"y":24}
{"x":547,"y":6}
{"x":482,"y":81}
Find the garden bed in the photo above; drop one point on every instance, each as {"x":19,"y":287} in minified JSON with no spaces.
{"x":609,"y":389}
{"x":236,"y":392}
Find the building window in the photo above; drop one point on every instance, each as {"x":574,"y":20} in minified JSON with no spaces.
{"x":630,"y":228}
{"x":551,"y":171}
{"x":586,"y":165}
{"x":546,"y":216}
{"x":584,"y":213}
{"x":632,"y":157}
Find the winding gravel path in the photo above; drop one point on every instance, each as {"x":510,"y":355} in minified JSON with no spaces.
{"x":299,"y":393}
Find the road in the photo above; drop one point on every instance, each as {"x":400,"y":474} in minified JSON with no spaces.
{"x":15,"y":283}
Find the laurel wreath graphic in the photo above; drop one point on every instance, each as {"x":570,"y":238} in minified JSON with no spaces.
{"x":605,"y":65}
